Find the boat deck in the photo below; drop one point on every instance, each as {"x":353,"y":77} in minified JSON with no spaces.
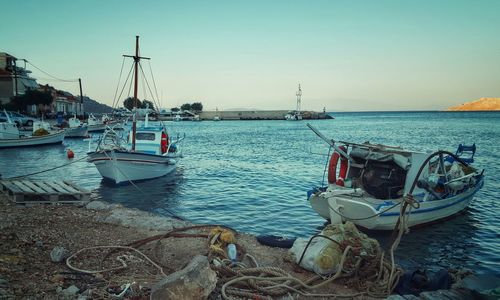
{"x":28,"y":192}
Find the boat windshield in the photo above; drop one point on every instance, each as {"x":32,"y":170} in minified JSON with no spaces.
{"x":145,"y":136}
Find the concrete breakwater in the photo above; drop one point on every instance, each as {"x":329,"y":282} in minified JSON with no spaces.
{"x":260,"y":115}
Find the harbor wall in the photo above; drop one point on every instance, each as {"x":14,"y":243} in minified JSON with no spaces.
{"x":259,"y":115}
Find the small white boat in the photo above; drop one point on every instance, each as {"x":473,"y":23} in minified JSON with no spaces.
{"x":76,"y":128}
{"x":96,"y":125}
{"x":10,"y":136}
{"x":147,"y":153}
{"x":155,"y":155}
{"x":374,"y":181}
{"x":217,"y":115}
{"x":293,"y":116}
{"x":177,"y":118}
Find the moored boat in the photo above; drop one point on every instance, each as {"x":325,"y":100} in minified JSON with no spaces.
{"x":11,"y":137}
{"x":95,"y":125}
{"x":147,"y":153}
{"x":155,"y":155}
{"x":374,"y":181}
{"x":76,"y":128}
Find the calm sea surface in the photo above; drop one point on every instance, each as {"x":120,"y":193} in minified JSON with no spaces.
{"x":254,"y":175}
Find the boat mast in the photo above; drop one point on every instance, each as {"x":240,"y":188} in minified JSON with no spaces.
{"x":136,"y":58}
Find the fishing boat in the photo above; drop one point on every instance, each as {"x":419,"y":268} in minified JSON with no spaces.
{"x":374,"y":181}
{"x":76,"y":128}
{"x":177,"y":118}
{"x":95,"y":124}
{"x":11,"y":137}
{"x":147,"y":153}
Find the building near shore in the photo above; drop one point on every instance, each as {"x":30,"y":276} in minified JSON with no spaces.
{"x":14,"y":80}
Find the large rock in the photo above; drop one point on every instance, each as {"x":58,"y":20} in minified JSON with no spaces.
{"x":195,"y":281}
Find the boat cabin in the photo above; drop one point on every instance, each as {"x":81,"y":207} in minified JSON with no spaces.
{"x":150,"y":140}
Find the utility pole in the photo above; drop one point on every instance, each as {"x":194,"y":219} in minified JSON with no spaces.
{"x":15,"y":76}
{"x":81,"y":97}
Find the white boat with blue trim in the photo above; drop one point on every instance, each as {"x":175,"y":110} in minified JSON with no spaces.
{"x":155,"y":154}
{"x":374,"y":181}
{"x":146,"y":153}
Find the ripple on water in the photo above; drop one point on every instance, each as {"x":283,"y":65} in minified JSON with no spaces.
{"x":253,"y":176}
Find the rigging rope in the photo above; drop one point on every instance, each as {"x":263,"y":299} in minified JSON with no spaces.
{"x":47,"y":170}
{"x":154,"y":83}
{"x":115,"y":100}
{"x":144,"y":91}
{"x":125,"y":84}
{"x":149,"y":88}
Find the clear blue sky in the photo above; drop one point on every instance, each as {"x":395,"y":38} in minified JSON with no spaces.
{"x":348,"y":55}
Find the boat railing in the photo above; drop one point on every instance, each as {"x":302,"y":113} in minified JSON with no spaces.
{"x":110,"y":139}
{"x":178,"y":140}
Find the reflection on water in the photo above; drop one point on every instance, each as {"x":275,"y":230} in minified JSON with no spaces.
{"x":447,"y":244}
{"x":253,"y":176}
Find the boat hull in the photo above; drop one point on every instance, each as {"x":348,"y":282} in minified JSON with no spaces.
{"x":96,"y":128}
{"x":76,"y":132}
{"x":52,"y":138}
{"x":378,"y":215}
{"x":122,"y":166}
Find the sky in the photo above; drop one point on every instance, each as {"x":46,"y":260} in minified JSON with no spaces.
{"x":350,"y":55}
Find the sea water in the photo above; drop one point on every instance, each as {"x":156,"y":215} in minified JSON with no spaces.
{"x":254,"y":175}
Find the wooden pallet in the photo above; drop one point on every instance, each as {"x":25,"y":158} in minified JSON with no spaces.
{"x":44,"y":191}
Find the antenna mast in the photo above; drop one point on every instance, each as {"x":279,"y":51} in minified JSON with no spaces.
{"x":299,"y":95}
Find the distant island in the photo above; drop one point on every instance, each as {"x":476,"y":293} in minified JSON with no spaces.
{"x":480,"y":104}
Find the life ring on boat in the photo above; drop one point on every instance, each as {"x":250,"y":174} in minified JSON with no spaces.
{"x":332,"y":168}
{"x":164,"y":143}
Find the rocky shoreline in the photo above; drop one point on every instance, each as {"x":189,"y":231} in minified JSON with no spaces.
{"x":28,"y":235}
{"x":173,"y":259}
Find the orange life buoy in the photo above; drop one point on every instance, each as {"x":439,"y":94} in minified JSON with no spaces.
{"x":332,"y":168}
{"x":164,"y":142}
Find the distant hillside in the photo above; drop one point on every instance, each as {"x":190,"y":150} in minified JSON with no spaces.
{"x":481,"y":104}
{"x":92,"y":106}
